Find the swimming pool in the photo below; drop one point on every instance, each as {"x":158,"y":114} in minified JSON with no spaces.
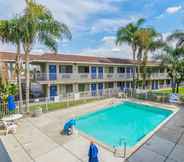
{"x":127,"y":120}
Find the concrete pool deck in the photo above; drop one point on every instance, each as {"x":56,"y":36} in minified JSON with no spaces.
{"x":39,"y":140}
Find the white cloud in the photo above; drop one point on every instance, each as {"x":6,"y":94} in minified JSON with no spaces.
{"x":71,"y":12}
{"x":111,"y":24}
{"x":173,"y":9}
{"x":74,"y":13}
{"x":108,"y":48}
{"x":7,"y":47}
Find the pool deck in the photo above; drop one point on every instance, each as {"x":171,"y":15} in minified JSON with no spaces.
{"x":39,"y":140}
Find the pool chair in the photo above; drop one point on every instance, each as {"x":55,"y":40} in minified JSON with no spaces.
{"x":173,"y":98}
{"x":9,"y":127}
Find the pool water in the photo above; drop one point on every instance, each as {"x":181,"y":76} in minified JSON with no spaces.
{"x":129,"y":121}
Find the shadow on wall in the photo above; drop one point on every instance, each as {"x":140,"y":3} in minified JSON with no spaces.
{"x":4,"y":157}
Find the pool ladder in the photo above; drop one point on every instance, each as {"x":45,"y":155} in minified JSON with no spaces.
{"x":121,"y":141}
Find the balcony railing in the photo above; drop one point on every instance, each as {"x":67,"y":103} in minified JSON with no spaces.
{"x":76,"y":77}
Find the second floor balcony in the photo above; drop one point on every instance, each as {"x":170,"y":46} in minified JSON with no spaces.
{"x":88,"y":77}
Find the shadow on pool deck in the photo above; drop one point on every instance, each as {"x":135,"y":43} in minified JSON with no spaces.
{"x":4,"y":157}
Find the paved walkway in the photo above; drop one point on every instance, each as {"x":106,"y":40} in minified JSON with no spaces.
{"x":39,"y":140}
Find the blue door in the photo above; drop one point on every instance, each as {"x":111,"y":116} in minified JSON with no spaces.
{"x":100,"y":88}
{"x":122,"y":86}
{"x":100,"y":72}
{"x":153,"y":84}
{"x":93,"y":89}
{"x":53,"y":90}
{"x":52,"y":72}
{"x":128,"y":70}
{"x":127,"y":85}
{"x":156,"y":86}
{"x":93,"y":72}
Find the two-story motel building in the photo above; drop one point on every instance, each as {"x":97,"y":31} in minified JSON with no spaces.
{"x":59,"y":74}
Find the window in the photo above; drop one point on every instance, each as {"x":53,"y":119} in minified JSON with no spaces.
{"x":121,"y":84}
{"x":162,"y":70}
{"x":168,"y":82}
{"x":81,"y":87}
{"x":109,"y":85}
{"x":83,"y":69}
{"x":129,"y":69}
{"x":121,"y":69}
{"x":69,"y":88}
{"x":65,"y":69}
{"x":111,"y":69}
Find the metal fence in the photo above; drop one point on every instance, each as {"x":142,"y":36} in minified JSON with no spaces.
{"x":71,"y":99}
{"x":65,"y":100}
{"x":5,"y":112}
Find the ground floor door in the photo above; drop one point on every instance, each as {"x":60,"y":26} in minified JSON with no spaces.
{"x":155,"y":84}
{"x":53,"y":90}
{"x":93,"y":89}
{"x":100,"y":88}
{"x":121,"y":85}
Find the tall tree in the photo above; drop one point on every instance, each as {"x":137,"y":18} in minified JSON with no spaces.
{"x":10,"y":33}
{"x":179,"y":74}
{"x":171,"y":58}
{"x":39,"y":25}
{"x":148,"y":40}
{"x":177,"y":36}
{"x":127,"y":35}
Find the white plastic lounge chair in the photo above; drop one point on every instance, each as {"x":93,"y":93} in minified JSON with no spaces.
{"x":10,"y":127}
{"x":174,"y":98}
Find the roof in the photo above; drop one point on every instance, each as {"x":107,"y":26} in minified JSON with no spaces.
{"x":50,"y":57}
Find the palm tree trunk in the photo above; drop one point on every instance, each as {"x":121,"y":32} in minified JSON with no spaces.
{"x":27,"y":79}
{"x":138,"y":75}
{"x":18,"y":71}
{"x":177,"y":87}
{"x":173,"y":85}
{"x":134,"y":71}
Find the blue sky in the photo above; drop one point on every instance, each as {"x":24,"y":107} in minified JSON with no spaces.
{"x":94,"y":22}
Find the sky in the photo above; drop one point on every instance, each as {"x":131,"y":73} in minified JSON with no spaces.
{"x":94,"y":23}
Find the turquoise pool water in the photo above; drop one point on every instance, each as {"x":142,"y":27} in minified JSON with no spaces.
{"x":127,"y":120}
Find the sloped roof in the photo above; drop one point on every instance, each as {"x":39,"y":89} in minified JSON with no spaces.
{"x":50,"y":57}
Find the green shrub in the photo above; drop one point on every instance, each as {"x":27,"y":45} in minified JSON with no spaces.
{"x":182,"y":98}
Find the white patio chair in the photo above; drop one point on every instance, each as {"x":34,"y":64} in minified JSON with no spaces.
{"x":9,"y":127}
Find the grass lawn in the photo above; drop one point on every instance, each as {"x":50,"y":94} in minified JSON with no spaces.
{"x":62,"y":105}
{"x":169,"y":90}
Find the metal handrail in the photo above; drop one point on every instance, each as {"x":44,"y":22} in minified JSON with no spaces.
{"x":122,"y":140}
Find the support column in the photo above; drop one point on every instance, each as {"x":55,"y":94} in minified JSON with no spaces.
{"x":75,"y":88}
{"x":57,"y":72}
{"x":47,"y":71}
{"x":48,"y":90}
{"x":58,"y":89}
{"x":115,"y":85}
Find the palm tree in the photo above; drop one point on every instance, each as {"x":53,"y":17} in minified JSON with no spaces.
{"x":10,"y":33}
{"x":171,"y":58}
{"x":177,"y":36}
{"x":148,"y":40}
{"x":127,"y":35}
{"x":38,"y":25}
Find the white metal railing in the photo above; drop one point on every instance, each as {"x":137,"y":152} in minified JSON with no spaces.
{"x":74,"y":96}
{"x":64,"y":77}
{"x":159,"y":76}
